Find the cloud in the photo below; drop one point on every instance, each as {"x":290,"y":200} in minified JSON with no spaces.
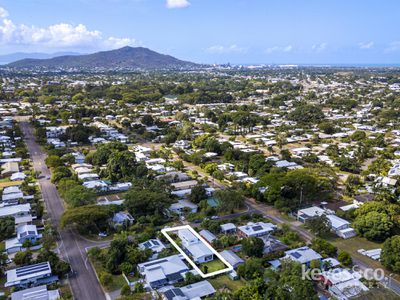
{"x":287,"y":48}
{"x":219,"y":49}
{"x":62,"y":35}
{"x":366,"y":45}
{"x":394,"y":46}
{"x":319,"y":47}
{"x":3,"y":13}
{"x":177,"y":3}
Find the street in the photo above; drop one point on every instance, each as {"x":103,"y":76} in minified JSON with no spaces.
{"x":84,"y":283}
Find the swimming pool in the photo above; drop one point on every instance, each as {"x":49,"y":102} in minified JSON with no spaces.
{"x":212,"y":202}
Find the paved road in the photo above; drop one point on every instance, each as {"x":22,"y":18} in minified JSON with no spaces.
{"x":84,"y":283}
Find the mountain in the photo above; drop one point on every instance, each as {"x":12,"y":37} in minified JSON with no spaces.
{"x":8,"y":58}
{"x":123,"y":58}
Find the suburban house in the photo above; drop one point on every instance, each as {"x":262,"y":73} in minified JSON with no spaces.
{"x":302,"y":255}
{"x":256,"y":229}
{"x":20,"y":212}
{"x":99,"y":185}
{"x":339,"y":226}
{"x":228,"y":228}
{"x":272,"y":244}
{"x":173,"y":176}
{"x":17,"y":176}
{"x":31,"y":275}
{"x":155,"y":245}
{"x":36,"y":293}
{"x":195,"y":248}
{"x":163,"y":271}
{"x":122,"y":218}
{"x":310,"y":212}
{"x":11,"y":195}
{"x":184,"y":185}
{"x":182,"y":205}
{"x":342,"y":283}
{"x":196,"y":290}
{"x":24,"y":233}
{"x":55,"y":132}
{"x":79,"y":157}
{"x":9,"y":168}
{"x":207,"y":235}
{"x":232,"y":258}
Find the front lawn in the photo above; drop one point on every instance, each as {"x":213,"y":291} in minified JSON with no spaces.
{"x":213,"y":266}
{"x":224,"y":282}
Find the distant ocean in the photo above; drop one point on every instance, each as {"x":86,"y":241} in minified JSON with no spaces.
{"x":327,"y":65}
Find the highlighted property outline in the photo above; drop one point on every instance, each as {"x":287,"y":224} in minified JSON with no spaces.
{"x":190,"y":261}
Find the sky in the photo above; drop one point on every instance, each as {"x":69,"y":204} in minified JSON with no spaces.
{"x":210,"y":31}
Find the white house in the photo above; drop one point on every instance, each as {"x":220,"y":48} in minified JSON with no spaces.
{"x":24,"y":233}
{"x":302,"y":255}
{"x":228,"y":228}
{"x":341,"y":227}
{"x":194,"y":291}
{"x":199,"y":251}
{"x":30,"y":275}
{"x":256,"y":229}
{"x":343,"y":284}
{"x":36,"y":293}
{"x":180,"y":206}
{"x":155,"y":245}
{"x":20,"y":212}
{"x":163,"y":271}
{"x":310,"y":212}
{"x":122,"y":218}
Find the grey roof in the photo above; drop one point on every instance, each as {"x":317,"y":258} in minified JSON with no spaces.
{"x":209,"y":236}
{"x":259,"y":228}
{"x":154,"y":244}
{"x":198,"y":290}
{"x":232,"y":258}
{"x":302,"y":255}
{"x":199,"y":250}
{"x":173,"y":294}
{"x":228,"y":226}
{"x":160,"y":269}
{"x":36,"y":293}
{"x":15,"y":276}
{"x":14,"y":209}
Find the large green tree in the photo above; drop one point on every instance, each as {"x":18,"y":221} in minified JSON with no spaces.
{"x":197,"y":194}
{"x":307,"y":114}
{"x":229,"y":200}
{"x":377,"y":220}
{"x":123,"y":166}
{"x":89,"y":218}
{"x":141,"y":202}
{"x":374,"y":226}
{"x":390,"y":256}
{"x":7,"y":227}
{"x":253,"y":246}
{"x":79,"y":195}
{"x":319,"y":225}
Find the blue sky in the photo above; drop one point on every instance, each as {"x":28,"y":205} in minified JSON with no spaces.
{"x":210,"y":31}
